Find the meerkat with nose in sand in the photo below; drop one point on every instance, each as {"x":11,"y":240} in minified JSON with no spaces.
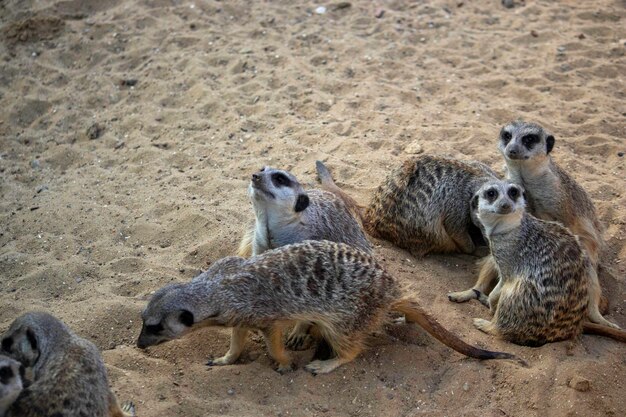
{"x":344,"y":293}
{"x":541,"y":295}
{"x":552,"y":194}
{"x":423,"y":205}
{"x":68,"y":375}
{"x":11,"y":382}
{"x":286,"y":213}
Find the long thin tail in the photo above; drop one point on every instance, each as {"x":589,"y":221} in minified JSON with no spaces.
{"x":600,"y":330}
{"x":415,"y":313}
{"x":326,"y":179}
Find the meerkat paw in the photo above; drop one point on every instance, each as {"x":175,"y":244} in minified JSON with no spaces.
{"x":224,"y":360}
{"x":285,"y":368}
{"x":463,"y":296}
{"x":485,"y":326}
{"x":323,"y":367}
{"x":299,"y":341}
{"x":128,"y":408}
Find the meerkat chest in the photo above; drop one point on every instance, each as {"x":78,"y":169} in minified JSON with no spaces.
{"x":274,"y":231}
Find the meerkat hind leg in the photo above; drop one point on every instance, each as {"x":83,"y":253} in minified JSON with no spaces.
{"x":328,"y":365}
{"x":299,"y":338}
{"x":127,"y":409}
{"x":487,"y":276}
{"x":274,"y":341}
{"x":237,"y":342}
{"x":595,"y":293}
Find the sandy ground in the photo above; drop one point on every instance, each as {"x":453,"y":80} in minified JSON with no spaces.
{"x":129,"y":130}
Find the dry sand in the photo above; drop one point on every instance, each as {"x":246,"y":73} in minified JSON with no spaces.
{"x":90,"y":227}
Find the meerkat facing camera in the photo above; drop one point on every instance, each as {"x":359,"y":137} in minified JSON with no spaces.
{"x":552,"y":194}
{"x":69,"y":377}
{"x":541,"y":295}
{"x":344,"y":293}
{"x":423,"y":205}
{"x":11,"y":382}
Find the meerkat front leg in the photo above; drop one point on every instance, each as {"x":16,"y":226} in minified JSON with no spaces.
{"x":486,"y":278}
{"x":127,"y":409}
{"x":300,"y":339}
{"x":274,"y":341}
{"x":486,"y":326}
{"x":494,"y":297}
{"x":237,"y":342}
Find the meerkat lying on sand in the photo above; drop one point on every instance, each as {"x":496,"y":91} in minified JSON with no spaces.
{"x":69,"y":377}
{"x":11,"y":382}
{"x":541,"y":295}
{"x":341,"y":291}
{"x":423,"y":205}
{"x":285,"y":213}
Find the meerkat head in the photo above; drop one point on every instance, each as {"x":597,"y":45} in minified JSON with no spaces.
{"x":171,"y":313}
{"x":21,"y":343}
{"x":499,"y":206}
{"x":11,"y":376}
{"x":521,"y":141}
{"x":278,"y":190}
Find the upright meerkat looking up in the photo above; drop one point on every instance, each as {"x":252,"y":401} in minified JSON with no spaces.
{"x":11,"y":382}
{"x":423,"y":205}
{"x":285,"y":213}
{"x":541,"y":295}
{"x":341,"y":291}
{"x":552,"y":194}
{"x":69,"y":377}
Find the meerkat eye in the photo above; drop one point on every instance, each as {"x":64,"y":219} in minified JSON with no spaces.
{"x":529,"y":140}
{"x":513,"y":193}
{"x":6,"y":373}
{"x":491,"y":194}
{"x":280,"y":180}
{"x":506,"y":137}
{"x":154,"y":328}
{"x":262,"y":169}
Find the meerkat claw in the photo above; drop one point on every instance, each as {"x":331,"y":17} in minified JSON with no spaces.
{"x":129,"y":408}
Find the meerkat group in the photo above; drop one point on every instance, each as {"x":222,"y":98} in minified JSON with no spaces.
{"x":306,"y":261}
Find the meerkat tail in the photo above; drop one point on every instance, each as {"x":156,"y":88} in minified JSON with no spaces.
{"x":601,"y":330}
{"x":326,"y":179}
{"x":415,"y":313}
{"x":245,"y":247}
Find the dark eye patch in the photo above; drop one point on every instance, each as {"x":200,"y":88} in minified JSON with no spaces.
{"x":154,"y":328}
{"x":491,"y":195}
{"x":530,"y":140}
{"x":513,"y":193}
{"x":6,"y":373}
{"x":7,"y":343}
{"x":506,"y":137}
{"x":280,"y":180}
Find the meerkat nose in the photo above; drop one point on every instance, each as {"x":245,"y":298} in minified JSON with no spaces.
{"x":256,"y":177}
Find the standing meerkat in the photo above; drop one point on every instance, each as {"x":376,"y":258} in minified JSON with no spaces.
{"x":285,"y":213}
{"x":11,"y":382}
{"x":341,"y":291}
{"x":423,"y":205}
{"x":69,"y":377}
{"x":541,"y":295}
{"x":552,"y":194}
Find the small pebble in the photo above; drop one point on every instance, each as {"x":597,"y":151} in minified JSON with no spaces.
{"x":94,"y":131}
{"x":379,"y":13}
{"x":320,"y":10}
{"x":466,"y":387}
{"x":534,"y":33}
{"x":230,"y":391}
{"x":509,"y":4}
{"x":580,"y":384}
{"x":620,"y":154}
{"x":35,"y":164}
{"x":41,"y":188}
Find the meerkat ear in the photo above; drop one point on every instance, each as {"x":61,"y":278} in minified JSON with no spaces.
{"x":474,"y":202}
{"x":7,"y":343}
{"x":186,"y":318}
{"x":302,"y":202}
{"x":549,"y":143}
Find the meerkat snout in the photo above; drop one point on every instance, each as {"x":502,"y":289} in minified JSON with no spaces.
{"x":278,"y":187}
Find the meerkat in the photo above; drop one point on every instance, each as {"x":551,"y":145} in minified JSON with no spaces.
{"x":541,"y":295}
{"x":285,"y":213}
{"x":423,"y":205}
{"x":343,"y":292}
{"x":552,"y":194}
{"x":11,"y":385}
{"x":69,"y":377}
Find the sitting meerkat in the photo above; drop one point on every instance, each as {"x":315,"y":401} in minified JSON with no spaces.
{"x":285,"y":213}
{"x":423,"y":205}
{"x":343,"y":292}
{"x":69,"y":377}
{"x":541,"y":295}
{"x":552,"y":194}
{"x":11,"y":382}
